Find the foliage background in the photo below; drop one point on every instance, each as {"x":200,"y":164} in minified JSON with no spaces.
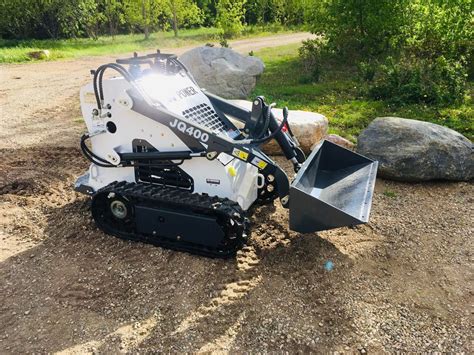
{"x":46,"y":19}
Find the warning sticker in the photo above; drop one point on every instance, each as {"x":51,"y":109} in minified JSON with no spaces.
{"x":240,"y":154}
{"x":261,"y":164}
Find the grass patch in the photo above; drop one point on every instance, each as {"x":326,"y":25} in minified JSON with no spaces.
{"x":339,"y":96}
{"x":13,"y":51}
{"x":389,"y":193}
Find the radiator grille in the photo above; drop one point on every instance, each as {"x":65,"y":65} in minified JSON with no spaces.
{"x":204,"y":115}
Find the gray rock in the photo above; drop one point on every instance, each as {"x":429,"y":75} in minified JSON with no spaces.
{"x":411,"y":150}
{"x":336,"y":139}
{"x":223,"y":71}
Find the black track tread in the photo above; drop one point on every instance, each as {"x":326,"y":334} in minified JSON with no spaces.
{"x":155,"y":195}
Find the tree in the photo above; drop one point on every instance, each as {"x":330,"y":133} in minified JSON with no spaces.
{"x":47,"y":18}
{"x":230,"y":14}
{"x":294,"y":11}
{"x":14,"y":20}
{"x":113,"y":14}
{"x":285,"y":12}
{"x":209,"y":11}
{"x":143,"y":14}
{"x":148,"y":15}
{"x":184,"y":12}
{"x":440,"y":27}
{"x":76,"y":17}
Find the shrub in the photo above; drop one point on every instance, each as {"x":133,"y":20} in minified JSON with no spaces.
{"x":364,"y":28}
{"x":420,"y":80}
{"x":367,"y":70}
{"x":357,"y":28}
{"x":439,"y":27}
{"x":311,"y":54}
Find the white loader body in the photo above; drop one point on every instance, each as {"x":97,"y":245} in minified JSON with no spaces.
{"x":224,"y":177}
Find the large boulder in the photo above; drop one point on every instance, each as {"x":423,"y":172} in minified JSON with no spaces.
{"x":223,"y":71}
{"x":308,"y":127}
{"x":411,"y":150}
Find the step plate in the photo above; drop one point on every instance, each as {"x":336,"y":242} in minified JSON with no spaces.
{"x":180,"y":226}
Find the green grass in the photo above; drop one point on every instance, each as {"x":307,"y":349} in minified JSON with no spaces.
{"x":390,"y":193}
{"x":12,"y":51}
{"x":339,"y":97}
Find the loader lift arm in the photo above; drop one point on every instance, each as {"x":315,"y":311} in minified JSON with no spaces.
{"x":216,"y":144}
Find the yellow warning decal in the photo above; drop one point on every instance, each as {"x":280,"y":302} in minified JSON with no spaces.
{"x":240,"y":154}
{"x":261,"y":164}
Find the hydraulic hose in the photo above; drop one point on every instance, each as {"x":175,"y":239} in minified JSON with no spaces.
{"x":268,"y":116}
{"x":91,"y":156}
{"x":98,"y":77}
{"x":116,"y":67}
{"x":275,"y":132}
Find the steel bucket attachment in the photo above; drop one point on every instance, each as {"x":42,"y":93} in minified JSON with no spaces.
{"x":333,"y":189}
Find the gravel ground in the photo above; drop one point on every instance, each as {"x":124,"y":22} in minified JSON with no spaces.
{"x":404,"y":282}
{"x":401,"y":283}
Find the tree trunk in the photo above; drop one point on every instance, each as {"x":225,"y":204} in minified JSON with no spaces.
{"x":111,"y":28}
{"x":175,"y":18}
{"x":147,"y":31}
{"x":146,"y":25}
{"x":175,"y":26}
{"x":361,"y":23}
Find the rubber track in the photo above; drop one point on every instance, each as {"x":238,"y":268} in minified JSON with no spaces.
{"x":159,"y":196}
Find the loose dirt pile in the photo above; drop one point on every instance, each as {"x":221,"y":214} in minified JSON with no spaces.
{"x":404,"y":282}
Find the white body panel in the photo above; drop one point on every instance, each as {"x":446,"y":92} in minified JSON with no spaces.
{"x":237,"y":180}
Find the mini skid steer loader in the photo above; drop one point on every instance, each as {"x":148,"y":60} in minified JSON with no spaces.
{"x":169,"y":166}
